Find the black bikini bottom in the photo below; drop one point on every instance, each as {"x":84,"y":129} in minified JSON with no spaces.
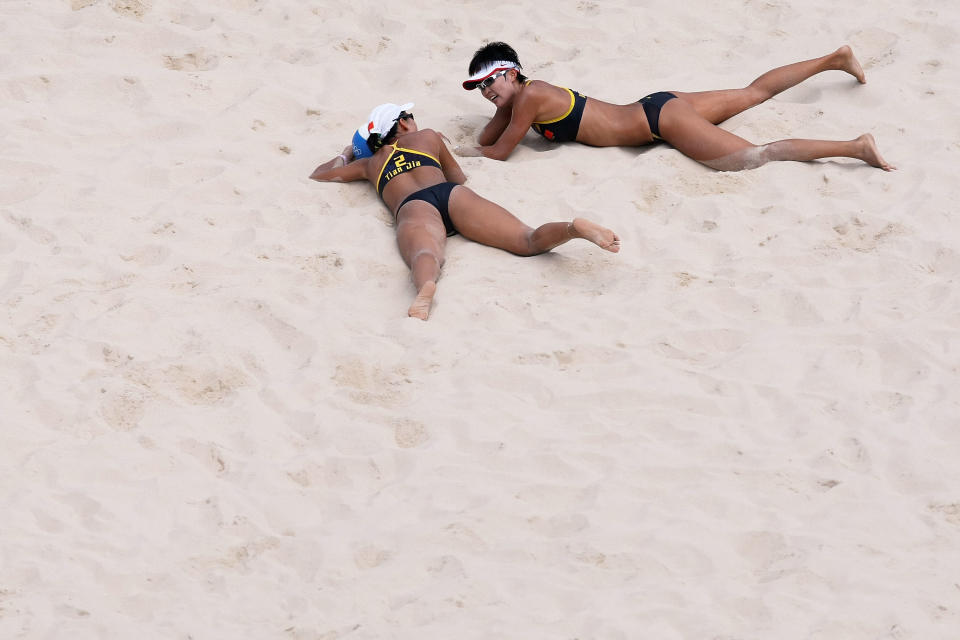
{"x":651,"y":107}
{"x":439,"y":196}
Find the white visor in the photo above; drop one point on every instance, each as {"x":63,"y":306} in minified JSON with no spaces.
{"x":488,"y":70}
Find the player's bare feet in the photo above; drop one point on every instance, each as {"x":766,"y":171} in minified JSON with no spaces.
{"x":600,"y":236}
{"x":871,"y":154}
{"x":848,"y":62}
{"x":421,"y":304}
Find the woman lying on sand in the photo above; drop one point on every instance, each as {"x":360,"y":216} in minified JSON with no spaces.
{"x":687,"y":121}
{"x":421,"y":183}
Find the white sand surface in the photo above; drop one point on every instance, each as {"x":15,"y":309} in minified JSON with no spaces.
{"x":217,"y":421}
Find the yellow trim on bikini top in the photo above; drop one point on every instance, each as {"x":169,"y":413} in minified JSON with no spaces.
{"x":396,"y":148}
{"x":573,"y":103}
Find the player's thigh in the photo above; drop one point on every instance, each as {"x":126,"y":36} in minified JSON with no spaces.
{"x":720,"y":105}
{"x":695,"y":136}
{"x":486,"y":222}
{"x":420,"y":228}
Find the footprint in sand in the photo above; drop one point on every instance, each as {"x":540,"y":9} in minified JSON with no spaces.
{"x":770,"y":554}
{"x":207,"y":453}
{"x":130,"y":8}
{"x":205,"y":385}
{"x":366,"y":49}
{"x":703,"y":345}
{"x":86,"y":508}
{"x":769,"y":13}
{"x":560,"y":525}
{"x":25,"y":226}
{"x":445,"y":29}
{"x":449,"y":566}
{"x":370,"y":385}
{"x":931,"y":67}
{"x":123,"y":408}
{"x":131,"y":90}
{"x":864,"y":237}
{"x":950,"y":512}
{"x":198,"y":60}
{"x":46,"y":522}
{"x":197,"y":22}
{"x":320,"y":269}
{"x":589,"y":8}
{"x":851,"y":454}
{"x":874,"y":47}
{"x":891,"y":403}
{"x":297,"y":55}
{"x":409,"y":433}
{"x":369,"y":556}
{"x":287,"y":336}
{"x":147,"y":256}
{"x":798,"y":310}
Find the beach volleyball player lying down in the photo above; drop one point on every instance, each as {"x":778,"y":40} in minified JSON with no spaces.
{"x":685,"y":120}
{"x":421,"y":183}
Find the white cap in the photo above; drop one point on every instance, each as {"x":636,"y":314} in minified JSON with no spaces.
{"x":486,"y":71}
{"x":384,"y":116}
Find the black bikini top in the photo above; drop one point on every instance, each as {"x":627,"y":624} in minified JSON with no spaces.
{"x":398,"y":163}
{"x":564,"y":128}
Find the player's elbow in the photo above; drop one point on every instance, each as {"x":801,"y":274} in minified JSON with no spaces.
{"x":496,"y":153}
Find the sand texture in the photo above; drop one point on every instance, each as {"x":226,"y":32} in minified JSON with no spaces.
{"x":216,"y":420}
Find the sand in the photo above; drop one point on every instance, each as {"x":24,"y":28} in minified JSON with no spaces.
{"x":217,"y":421}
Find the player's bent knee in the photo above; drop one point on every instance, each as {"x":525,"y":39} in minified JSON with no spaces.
{"x":527,"y":245}
{"x":743,"y":159}
{"x":426,"y":254}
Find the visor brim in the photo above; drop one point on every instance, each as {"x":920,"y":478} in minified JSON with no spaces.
{"x":471,"y":83}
